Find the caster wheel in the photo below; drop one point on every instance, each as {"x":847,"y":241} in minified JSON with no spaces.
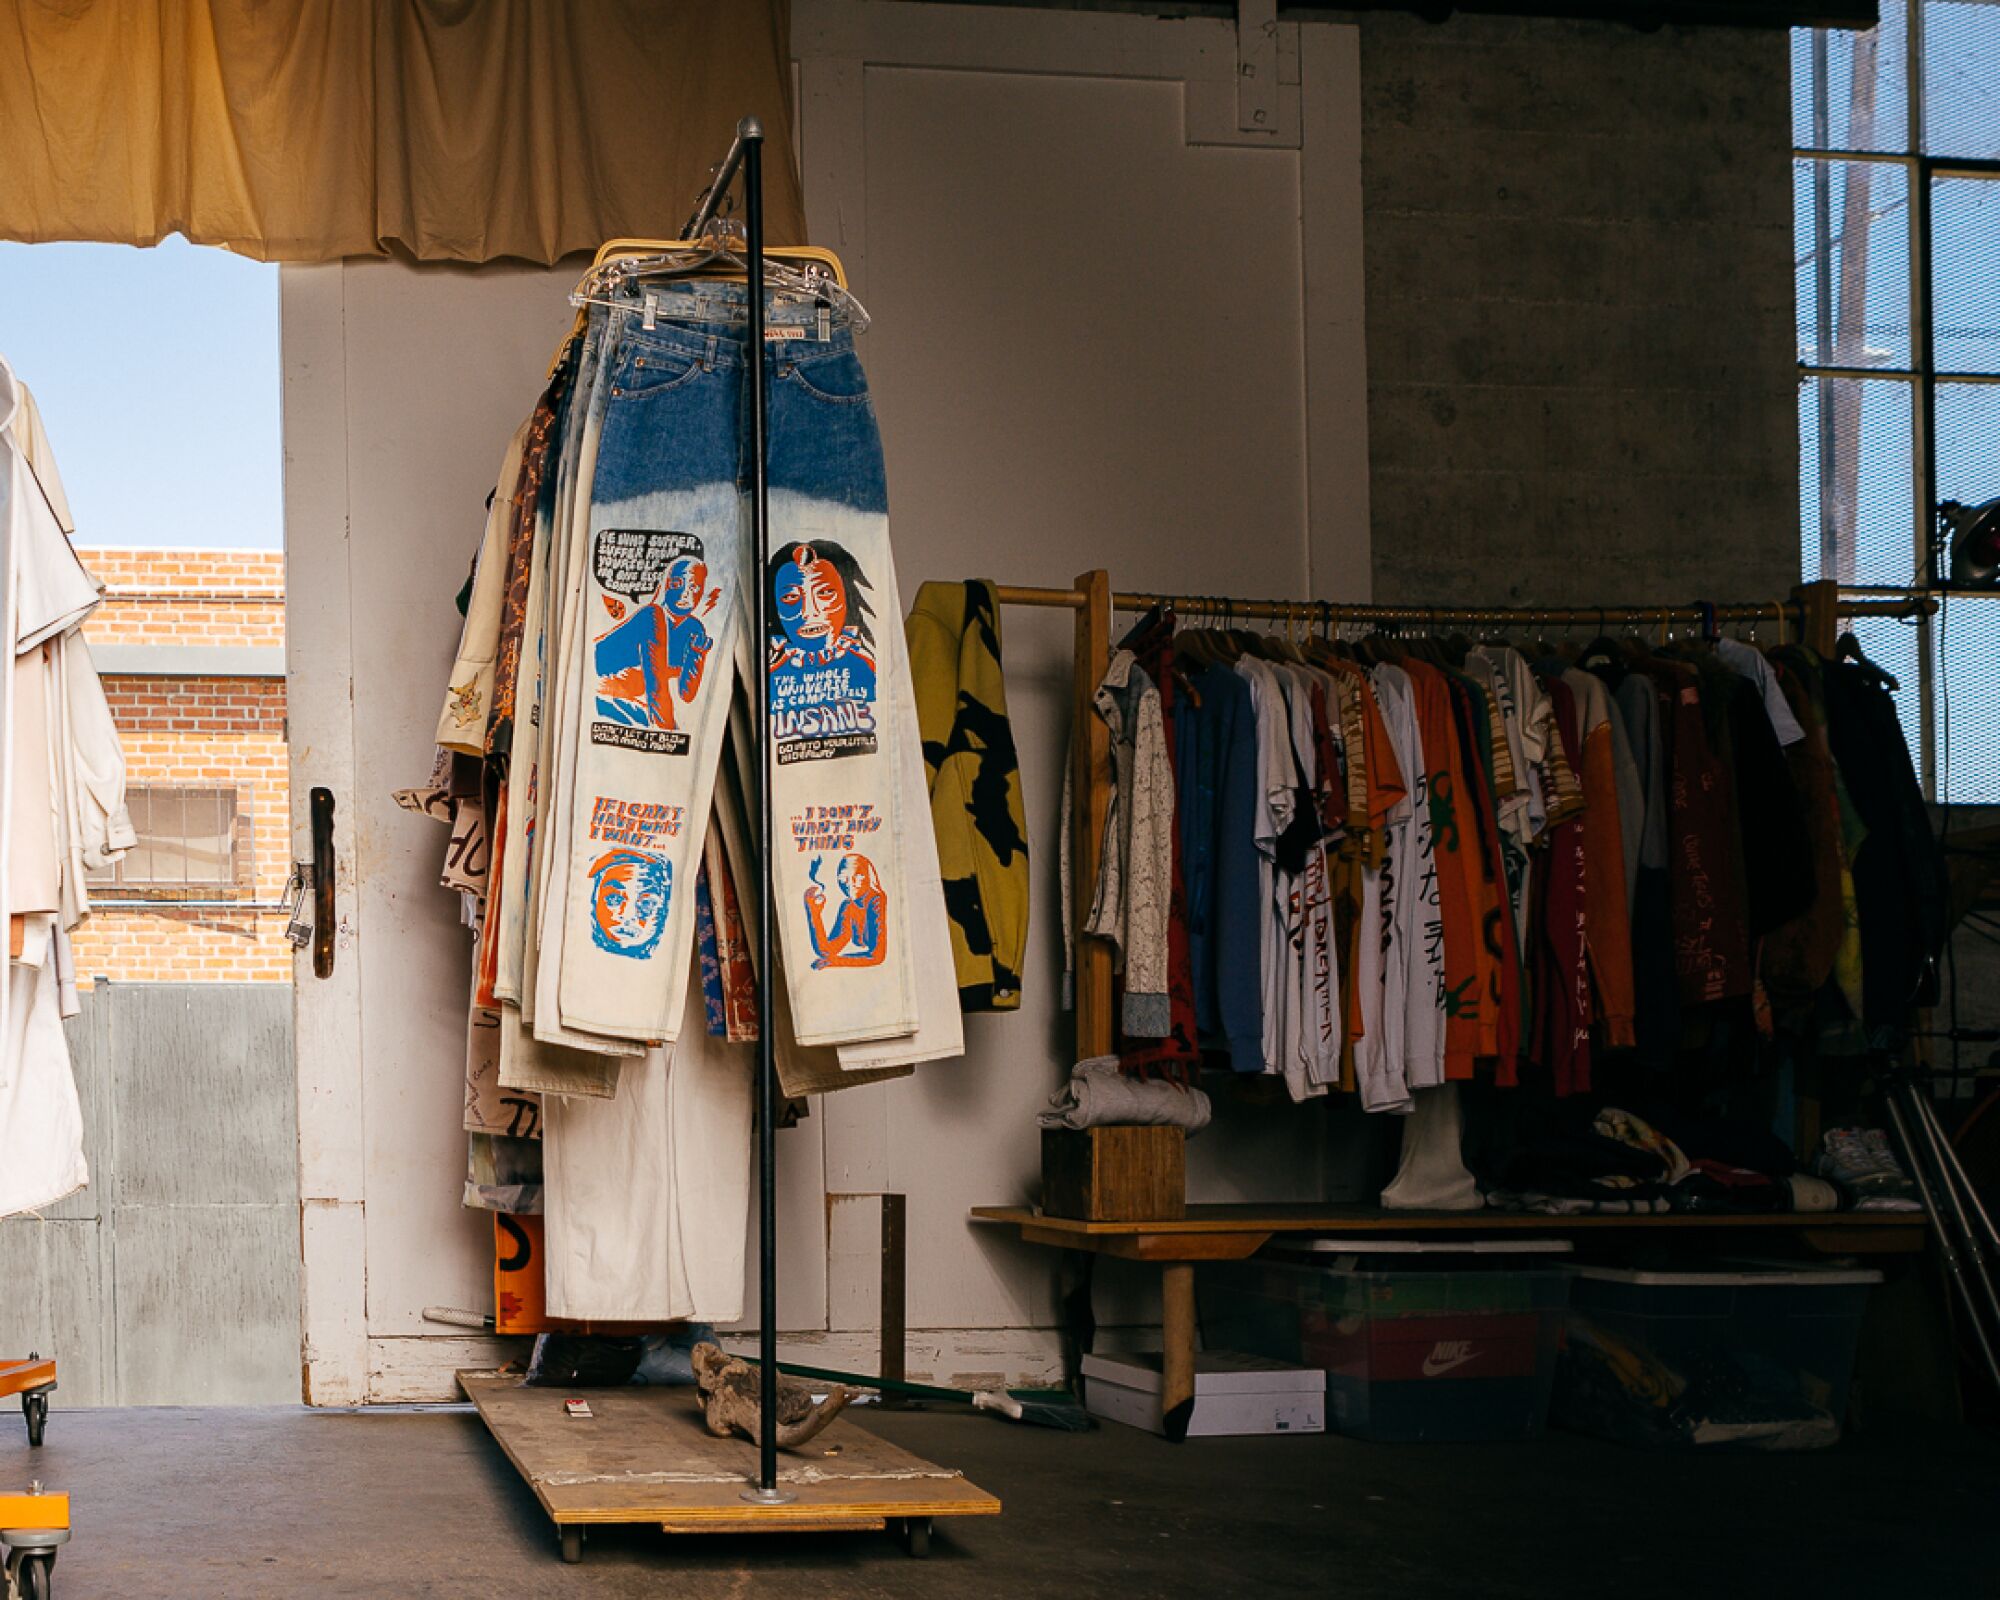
{"x":572,"y":1545}
{"x":919,"y":1537}
{"x":34,"y":1578}
{"x":35,"y":1407}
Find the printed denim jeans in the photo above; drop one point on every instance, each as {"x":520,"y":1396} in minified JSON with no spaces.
{"x":662,"y":601}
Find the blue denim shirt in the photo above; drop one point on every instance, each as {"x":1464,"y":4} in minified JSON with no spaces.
{"x":1215,"y":762}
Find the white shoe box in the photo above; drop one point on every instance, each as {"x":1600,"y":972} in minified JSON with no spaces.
{"x":1233,"y":1393}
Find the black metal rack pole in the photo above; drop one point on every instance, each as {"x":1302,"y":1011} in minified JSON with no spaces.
{"x":750,"y":136}
{"x":746,"y":153}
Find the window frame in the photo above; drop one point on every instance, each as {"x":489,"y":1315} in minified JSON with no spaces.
{"x":1920,"y":377}
{"x":111,"y":891}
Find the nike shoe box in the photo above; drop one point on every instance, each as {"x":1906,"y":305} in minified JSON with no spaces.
{"x":1234,"y":1393}
{"x":1411,"y":1352}
{"x":1755,"y":1355}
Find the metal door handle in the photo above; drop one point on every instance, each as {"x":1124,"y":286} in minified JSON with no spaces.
{"x":322,"y":882}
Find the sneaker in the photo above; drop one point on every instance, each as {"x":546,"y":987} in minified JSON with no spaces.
{"x":1860,"y":1161}
{"x":1846,"y":1158}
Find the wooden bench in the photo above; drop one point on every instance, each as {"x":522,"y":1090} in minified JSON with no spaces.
{"x":1237,"y":1232}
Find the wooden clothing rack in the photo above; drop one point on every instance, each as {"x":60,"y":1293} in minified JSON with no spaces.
{"x":1813,"y":612}
{"x":1234,"y":1232}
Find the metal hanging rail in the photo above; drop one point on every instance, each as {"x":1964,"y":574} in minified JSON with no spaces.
{"x":1329,"y":612}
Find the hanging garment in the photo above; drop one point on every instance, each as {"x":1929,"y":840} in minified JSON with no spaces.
{"x":50,"y":815}
{"x":1454,"y":848}
{"x":1705,"y":890}
{"x":658,"y":598}
{"x":468,"y":697}
{"x":953,"y":636}
{"x":1130,"y":903}
{"x":1899,"y":876}
{"x":1175,"y":1055}
{"x":1563,"y":987}
{"x":647,"y":1198}
{"x":1409,"y":1051}
{"x":1798,"y":957}
{"x":1215,"y":763}
{"x":1608,"y":934}
{"x":41,"y":1120}
{"x":1748,"y":661}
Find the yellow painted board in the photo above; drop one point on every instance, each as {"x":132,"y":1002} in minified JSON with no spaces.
{"x":644,"y":1455}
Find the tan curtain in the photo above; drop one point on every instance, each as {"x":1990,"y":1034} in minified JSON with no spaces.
{"x":458,"y":130}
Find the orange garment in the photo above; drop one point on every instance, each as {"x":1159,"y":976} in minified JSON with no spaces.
{"x":1457,"y":855}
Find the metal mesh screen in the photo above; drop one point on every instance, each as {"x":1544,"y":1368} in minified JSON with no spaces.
{"x":1967,"y":710}
{"x":1868,"y":112}
{"x":1961,"y":85}
{"x":1965,"y":273}
{"x":1851,"y":255}
{"x":1857,"y":490}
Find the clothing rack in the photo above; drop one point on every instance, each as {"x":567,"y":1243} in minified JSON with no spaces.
{"x":591,"y":1478}
{"x":1812,"y":612}
{"x":1816,"y":610}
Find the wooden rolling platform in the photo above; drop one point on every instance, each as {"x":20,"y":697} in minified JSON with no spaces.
{"x":645,"y":1456}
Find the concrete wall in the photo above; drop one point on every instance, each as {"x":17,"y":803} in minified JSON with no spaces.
{"x":1580,"y":341}
{"x":173,"y":1278}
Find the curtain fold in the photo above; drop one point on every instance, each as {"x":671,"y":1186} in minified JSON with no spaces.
{"x":454,"y":130}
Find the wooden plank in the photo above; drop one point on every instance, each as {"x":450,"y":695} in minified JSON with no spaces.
{"x":645,"y":1456}
{"x":1232,"y":1233}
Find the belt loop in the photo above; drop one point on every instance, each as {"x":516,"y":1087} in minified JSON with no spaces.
{"x":708,"y":360}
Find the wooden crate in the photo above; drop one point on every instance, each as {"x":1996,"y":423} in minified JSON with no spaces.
{"x":1115,"y":1174}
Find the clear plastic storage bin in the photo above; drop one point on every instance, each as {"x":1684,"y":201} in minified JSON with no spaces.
{"x":1746,"y":1354}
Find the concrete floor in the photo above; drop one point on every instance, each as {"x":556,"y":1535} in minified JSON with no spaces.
{"x":291,"y":1503}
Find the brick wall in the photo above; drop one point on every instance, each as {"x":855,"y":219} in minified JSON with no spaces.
{"x":205,"y":732}
{"x":188,"y":597}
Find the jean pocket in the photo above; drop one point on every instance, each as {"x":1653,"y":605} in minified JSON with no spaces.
{"x":650,"y":371}
{"x":836,"y":378}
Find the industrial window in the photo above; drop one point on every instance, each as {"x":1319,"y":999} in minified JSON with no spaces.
{"x":193,"y":844}
{"x":1896,"y":215}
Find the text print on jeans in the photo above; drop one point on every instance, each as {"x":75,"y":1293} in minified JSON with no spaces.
{"x":823,"y":657}
{"x":858,"y":936}
{"x":653,"y":655}
{"x":631,"y":886}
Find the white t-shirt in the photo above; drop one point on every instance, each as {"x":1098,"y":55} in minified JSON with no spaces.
{"x":1411,"y":921}
{"x":1321,"y":1022}
{"x":1275,"y":780}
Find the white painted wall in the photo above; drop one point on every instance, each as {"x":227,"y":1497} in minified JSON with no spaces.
{"x":1112,"y":329}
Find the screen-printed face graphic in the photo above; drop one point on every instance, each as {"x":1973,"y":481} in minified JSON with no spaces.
{"x":682,"y":588}
{"x":811,"y":599}
{"x":629,"y":891}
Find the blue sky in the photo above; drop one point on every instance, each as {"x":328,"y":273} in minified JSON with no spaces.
{"x":157,"y":374}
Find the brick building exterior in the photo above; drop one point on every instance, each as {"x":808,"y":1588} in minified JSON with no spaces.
{"x":190,"y":644}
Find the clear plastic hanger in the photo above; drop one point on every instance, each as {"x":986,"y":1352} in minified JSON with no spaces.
{"x":720,"y":252}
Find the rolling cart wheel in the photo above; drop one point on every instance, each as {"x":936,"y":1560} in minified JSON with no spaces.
{"x":35,"y":1407}
{"x":919,"y":1536}
{"x":34,"y":1579}
{"x":572,"y":1545}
